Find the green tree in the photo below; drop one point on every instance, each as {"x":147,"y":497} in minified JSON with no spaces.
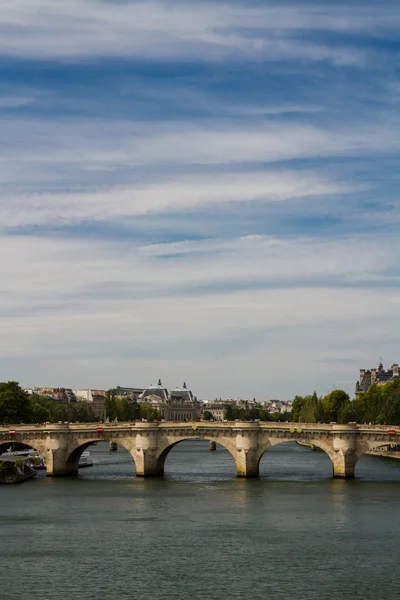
{"x":110,"y":404}
{"x":307,"y":409}
{"x":39,"y":413}
{"x":15,"y":404}
{"x":380,"y":404}
{"x":297,"y":408}
{"x":333,"y":403}
{"x":207,"y":415}
{"x":149,"y":413}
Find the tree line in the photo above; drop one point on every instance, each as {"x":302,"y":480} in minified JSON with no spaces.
{"x":17,"y":406}
{"x":252,"y":413}
{"x":379,"y":405}
{"x":124,"y":409}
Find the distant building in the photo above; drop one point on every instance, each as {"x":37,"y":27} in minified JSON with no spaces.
{"x":158,"y":390}
{"x":128,"y":392}
{"x":280,"y":406}
{"x":94,"y":398}
{"x":378,"y":376}
{"x":182,"y":405}
{"x":178,"y":405}
{"x":61,"y":395}
{"x":217,"y":409}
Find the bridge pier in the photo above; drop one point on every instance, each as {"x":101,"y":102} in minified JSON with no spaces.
{"x":344,"y":465}
{"x":148,"y":464}
{"x":247,"y":463}
{"x":344,"y":455}
{"x":247,"y":455}
{"x":57,"y":464}
{"x":146,"y":455}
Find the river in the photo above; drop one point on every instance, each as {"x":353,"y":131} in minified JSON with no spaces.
{"x":200,"y":533}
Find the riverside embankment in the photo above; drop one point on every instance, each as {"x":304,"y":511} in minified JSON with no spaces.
{"x":384,"y":454}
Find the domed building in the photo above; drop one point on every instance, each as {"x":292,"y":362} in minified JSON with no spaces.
{"x":178,"y":405}
{"x":182,"y":405}
{"x":155,"y":390}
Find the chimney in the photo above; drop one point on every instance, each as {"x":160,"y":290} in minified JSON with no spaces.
{"x":395,"y":370}
{"x":362,"y":373}
{"x":373,"y":376}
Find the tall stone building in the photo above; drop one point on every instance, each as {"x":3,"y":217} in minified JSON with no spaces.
{"x":379,"y":376}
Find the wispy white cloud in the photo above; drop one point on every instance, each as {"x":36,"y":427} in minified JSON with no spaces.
{"x":58,"y":271}
{"x":181,"y":30}
{"x":175,"y":194}
{"x":245,"y":314}
{"x":117,"y":306}
{"x":99,"y":144}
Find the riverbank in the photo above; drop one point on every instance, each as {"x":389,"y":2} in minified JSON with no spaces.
{"x":383,"y":454}
{"x":394,"y":455}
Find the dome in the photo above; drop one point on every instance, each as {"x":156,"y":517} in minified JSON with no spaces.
{"x":155,"y":390}
{"x":182,"y":393}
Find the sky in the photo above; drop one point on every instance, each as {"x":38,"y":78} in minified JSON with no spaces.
{"x":199,"y":191}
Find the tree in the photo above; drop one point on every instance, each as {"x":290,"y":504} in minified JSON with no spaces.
{"x":110,"y":404}
{"x":307,"y":409}
{"x":297,"y":407}
{"x":380,"y":404}
{"x":333,"y":403}
{"x":39,"y":413}
{"x":207,"y":415}
{"x":14,"y":403}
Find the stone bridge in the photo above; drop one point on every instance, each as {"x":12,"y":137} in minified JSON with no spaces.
{"x":62,"y":444}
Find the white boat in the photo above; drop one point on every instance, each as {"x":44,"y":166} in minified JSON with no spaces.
{"x":36,"y":460}
{"x":85,"y":460}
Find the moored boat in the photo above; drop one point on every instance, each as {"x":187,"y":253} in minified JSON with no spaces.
{"x":35,"y":460}
{"x":85,"y":460}
{"x":15,"y":469}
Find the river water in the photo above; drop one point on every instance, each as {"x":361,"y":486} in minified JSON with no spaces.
{"x":200,"y":533}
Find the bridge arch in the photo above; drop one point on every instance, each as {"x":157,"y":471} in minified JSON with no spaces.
{"x":76,"y":450}
{"x":15,"y":446}
{"x":370,"y":446}
{"x":169,"y":443}
{"x":36,"y":444}
{"x":321,"y":444}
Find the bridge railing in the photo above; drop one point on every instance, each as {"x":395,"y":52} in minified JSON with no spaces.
{"x":221,"y":425}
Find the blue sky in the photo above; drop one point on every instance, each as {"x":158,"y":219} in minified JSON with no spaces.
{"x":199,"y":191}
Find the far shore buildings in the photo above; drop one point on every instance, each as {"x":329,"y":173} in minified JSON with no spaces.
{"x":379,"y":376}
{"x":95,"y":398}
{"x":60,"y":394}
{"x":217,"y":409}
{"x":178,"y":405}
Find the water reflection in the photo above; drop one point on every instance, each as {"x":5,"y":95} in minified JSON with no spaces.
{"x":291,"y":462}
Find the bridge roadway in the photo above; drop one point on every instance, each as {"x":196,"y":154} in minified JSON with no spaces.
{"x":149,"y":443}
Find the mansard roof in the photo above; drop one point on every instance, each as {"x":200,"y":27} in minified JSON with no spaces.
{"x":182,"y":393}
{"x":381,"y":376}
{"x":155,"y":390}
